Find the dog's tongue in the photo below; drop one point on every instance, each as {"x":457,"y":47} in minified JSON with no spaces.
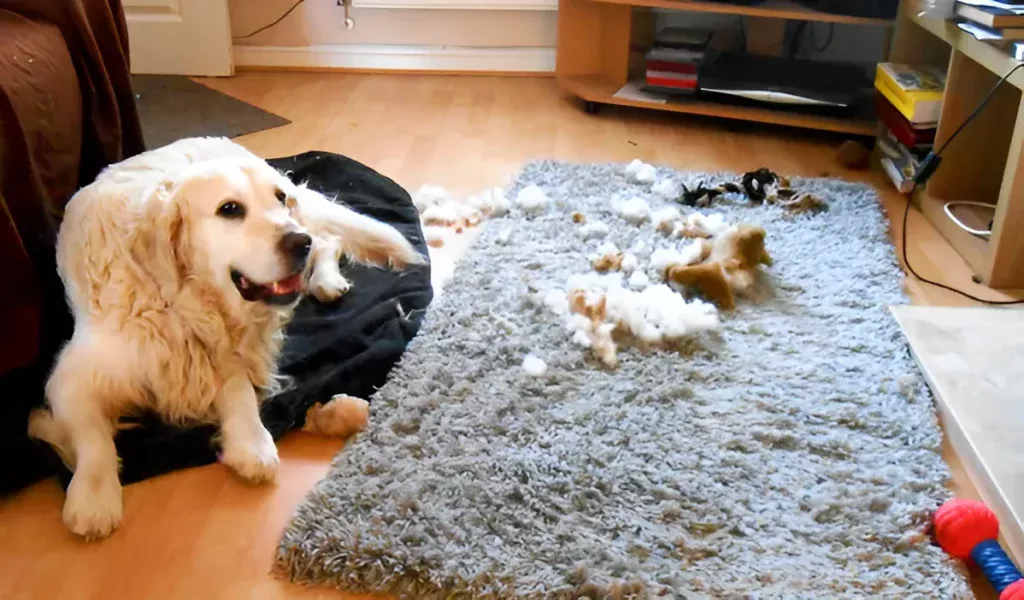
{"x":288,"y":285}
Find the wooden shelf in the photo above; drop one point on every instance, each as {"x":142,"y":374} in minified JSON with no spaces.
{"x":974,"y":250}
{"x":774,"y":9}
{"x":595,"y":88}
{"x":993,"y":58}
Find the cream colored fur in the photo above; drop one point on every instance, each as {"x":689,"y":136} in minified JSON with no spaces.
{"x":159,"y":324}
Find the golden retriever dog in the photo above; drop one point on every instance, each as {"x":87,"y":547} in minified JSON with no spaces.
{"x":181,"y":267}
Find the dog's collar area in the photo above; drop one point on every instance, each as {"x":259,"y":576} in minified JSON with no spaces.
{"x":284,"y":291}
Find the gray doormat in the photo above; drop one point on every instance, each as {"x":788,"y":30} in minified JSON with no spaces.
{"x":794,"y":455}
{"x":173,"y":107}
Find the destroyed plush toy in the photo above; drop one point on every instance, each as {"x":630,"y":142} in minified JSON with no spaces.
{"x":762,"y":186}
{"x":728,"y":265}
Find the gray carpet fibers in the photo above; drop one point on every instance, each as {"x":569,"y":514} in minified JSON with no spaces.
{"x":792,"y":454}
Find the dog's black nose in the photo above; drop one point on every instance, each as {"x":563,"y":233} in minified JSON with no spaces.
{"x":296,"y":245}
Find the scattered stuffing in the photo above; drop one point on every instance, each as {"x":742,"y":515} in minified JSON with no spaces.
{"x":532,"y":200}
{"x":557,"y":302}
{"x":663,"y":258}
{"x":438,"y":208}
{"x":656,"y":315}
{"x":666,"y":219}
{"x":639,"y":280}
{"x":491,"y":203}
{"x":534,"y":366}
{"x":803,"y":203}
{"x":635,"y":210}
{"x":699,"y":225}
{"x":434,"y":236}
{"x":641,"y":171}
{"x":504,"y":236}
{"x":667,"y":188}
{"x":595,"y":230}
{"x":441,"y":215}
{"x":646,"y":174}
{"x":579,"y":218}
{"x":629,"y":263}
{"x":608,"y":258}
{"x":430,"y":195}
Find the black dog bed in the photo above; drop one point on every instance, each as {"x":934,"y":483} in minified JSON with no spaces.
{"x":346,"y":347}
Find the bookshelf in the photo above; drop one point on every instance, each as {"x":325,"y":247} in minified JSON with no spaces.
{"x":986,"y":162}
{"x":597,"y":37}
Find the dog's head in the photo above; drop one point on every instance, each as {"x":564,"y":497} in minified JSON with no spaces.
{"x":230,"y":223}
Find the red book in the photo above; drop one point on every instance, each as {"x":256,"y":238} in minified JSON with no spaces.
{"x":672,"y":82}
{"x":900,"y":127}
{"x":671,"y":67}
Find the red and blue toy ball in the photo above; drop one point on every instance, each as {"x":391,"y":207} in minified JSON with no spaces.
{"x":967,"y":529}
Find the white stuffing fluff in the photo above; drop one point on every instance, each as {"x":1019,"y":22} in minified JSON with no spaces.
{"x":666,"y":215}
{"x":595,"y":230}
{"x":634,"y":166}
{"x":492,"y":202}
{"x":557,"y":302}
{"x":446,"y":213}
{"x":504,"y":236}
{"x":710,"y":225}
{"x":595,"y":282}
{"x":667,"y":188}
{"x":639,"y":280}
{"x":607,"y":248}
{"x":655,"y":315}
{"x":434,"y":236}
{"x":629,"y":263}
{"x":646,"y":174}
{"x":635,"y":210}
{"x":641,"y":171}
{"x":658,"y":314}
{"x":532,"y":199}
{"x":534,"y":366}
{"x":663,"y":258}
{"x":430,"y":195}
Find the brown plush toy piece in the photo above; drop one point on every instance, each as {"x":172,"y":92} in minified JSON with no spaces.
{"x":343,"y":416}
{"x":728,"y":265}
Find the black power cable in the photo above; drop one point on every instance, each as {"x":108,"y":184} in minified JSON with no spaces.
{"x":266,"y":27}
{"x":928,"y":168}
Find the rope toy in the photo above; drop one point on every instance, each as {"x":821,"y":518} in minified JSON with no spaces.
{"x":967,"y":529}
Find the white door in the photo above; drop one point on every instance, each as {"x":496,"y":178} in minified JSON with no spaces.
{"x":179,"y":37}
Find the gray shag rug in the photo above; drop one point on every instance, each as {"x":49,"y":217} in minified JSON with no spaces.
{"x":793,"y":454}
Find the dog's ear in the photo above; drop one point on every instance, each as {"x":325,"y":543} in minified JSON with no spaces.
{"x":163,"y":248}
{"x":362,"y":238}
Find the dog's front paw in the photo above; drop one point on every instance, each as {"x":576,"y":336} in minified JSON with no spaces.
{"x":328,"y":285}
{"x":93,"y":507}
{"x":254,"y":460}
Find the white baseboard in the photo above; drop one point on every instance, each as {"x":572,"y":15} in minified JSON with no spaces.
{"x":459,"y":4}
{"x":398,"y":58}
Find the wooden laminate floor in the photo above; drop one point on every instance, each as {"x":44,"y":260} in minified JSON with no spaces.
{"x":204,"y":534}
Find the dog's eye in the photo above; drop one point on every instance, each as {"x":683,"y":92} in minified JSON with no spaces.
{"x":281,"y":196}
{"x":231,"y":210}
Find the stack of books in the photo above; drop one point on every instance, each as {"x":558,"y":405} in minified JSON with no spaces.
{"x":993,"y":20}
{"x":908,"y":104}
{"x":674,"y":61}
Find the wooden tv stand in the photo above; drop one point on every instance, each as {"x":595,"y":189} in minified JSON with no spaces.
{"x":596,"y":38}
{"x":985,"y":163}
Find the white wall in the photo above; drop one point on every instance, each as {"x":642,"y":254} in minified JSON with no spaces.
{"x":314,"y":35}
{"x":323,"y":22}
